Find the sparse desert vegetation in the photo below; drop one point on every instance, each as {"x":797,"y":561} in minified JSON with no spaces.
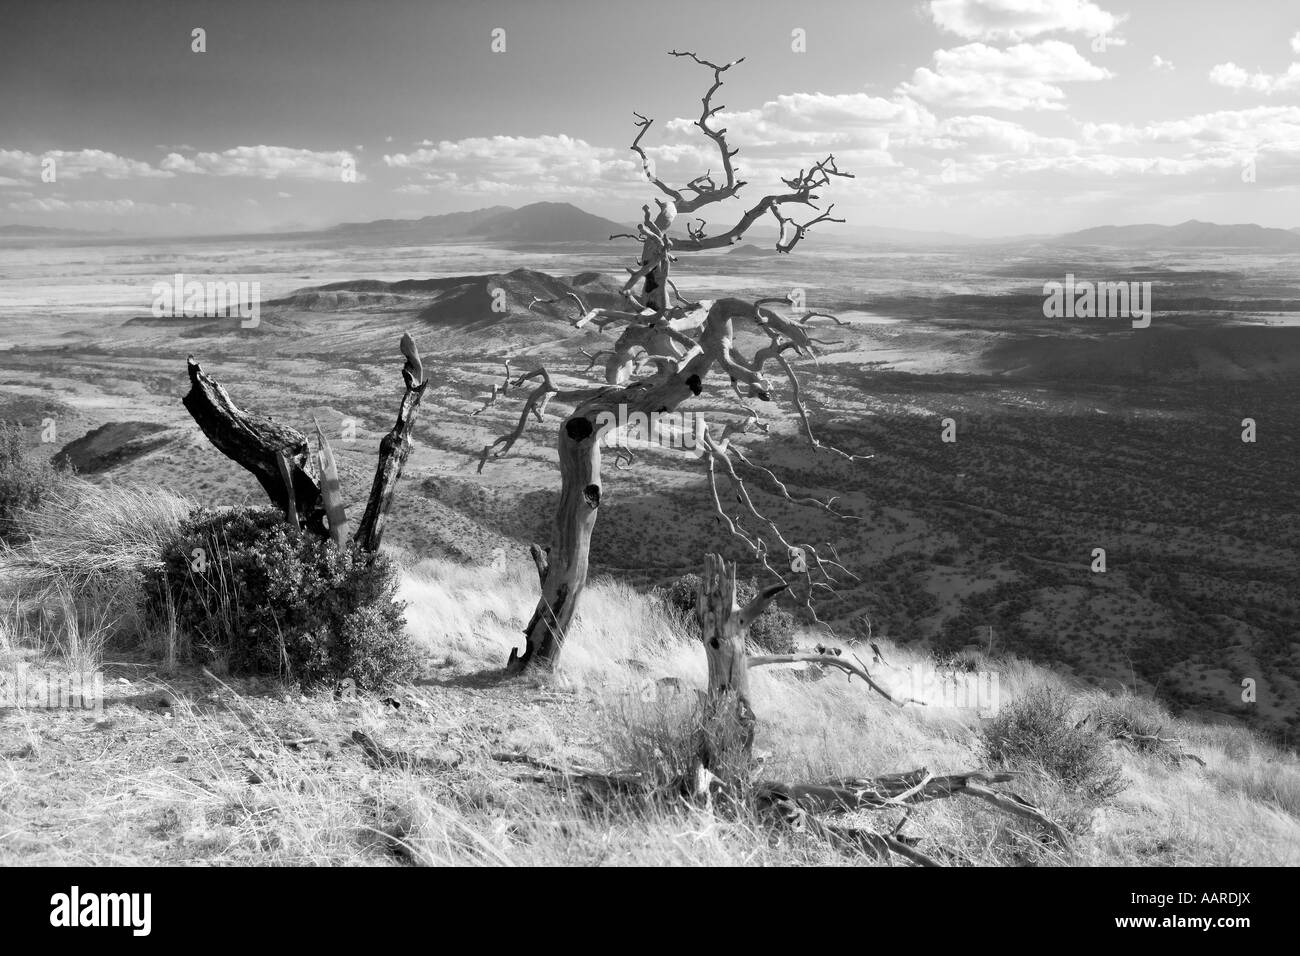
{"x":193,"y":761}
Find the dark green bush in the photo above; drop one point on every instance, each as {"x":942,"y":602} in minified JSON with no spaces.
{"x":1039,"y":729}
{"x":23,"y":479}
{"x":773,"y":630}
{"x":249,"y":593}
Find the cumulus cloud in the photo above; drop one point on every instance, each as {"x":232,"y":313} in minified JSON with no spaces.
{"x":265,"y":162}
{"x":1021,"y":77}
{"x":818,"y":121}
{"x":1236,"y":78}
{"x":1160,"y":64}
{"x":1016,"y":20}
{"x":504,"y":164}
{"x":1222,"y":132}
{"x":76,"y":164}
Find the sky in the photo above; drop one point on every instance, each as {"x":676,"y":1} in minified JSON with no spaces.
{"x":984,"y":117}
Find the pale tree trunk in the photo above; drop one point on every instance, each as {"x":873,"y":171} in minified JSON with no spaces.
{"x":728,"y":720}
{"x":564,"y":569}
{"x":563,"y":566}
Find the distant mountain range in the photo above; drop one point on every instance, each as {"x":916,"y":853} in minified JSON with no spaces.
{"x":537,"y":222}
{"x":547,"y":222}
{"x":1190,"y":234}
{"x":38,"y":231}
{"x":562,"y":222}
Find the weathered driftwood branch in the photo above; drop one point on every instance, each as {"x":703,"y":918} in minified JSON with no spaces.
{"x":394,"y":449}
{"x":897,"y":790}
{"x":854,"y":670}
{"x":256,"y":443}
{"x":1171,"y":747}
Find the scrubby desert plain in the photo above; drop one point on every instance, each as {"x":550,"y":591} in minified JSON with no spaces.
{"x":1072,"y":435}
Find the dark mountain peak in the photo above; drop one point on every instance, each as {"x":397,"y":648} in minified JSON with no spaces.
{"x":536,"y":222}
{"x":1194,"y":233}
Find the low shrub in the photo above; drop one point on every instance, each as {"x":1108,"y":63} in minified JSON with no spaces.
{"x":254,"y":596}
{"x":1040,"y":729}
{"x":24,"y":480}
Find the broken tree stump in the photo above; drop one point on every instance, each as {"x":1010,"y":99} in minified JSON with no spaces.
{"x":393,"y":451}
{"x":277,"y":455}
{"x":256,"y":442}
{"x":729,"y":719}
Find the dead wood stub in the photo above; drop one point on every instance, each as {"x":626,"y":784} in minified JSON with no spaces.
{"x":729,"y":718}
{"x":394,"y":450}
{"x":277,"y":455}
{"x":256,"y":443}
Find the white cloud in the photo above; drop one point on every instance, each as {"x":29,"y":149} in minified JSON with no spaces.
{"x":1159,"y":63}
{"x":77,"y":164}
{"x":1266,"y":135}
{"x":1021,"y":77}
{"x":820,"y":121}
{"x":265,"y":162}
{"x":988,"y":135}
{"x":1295,"y":42}
{"x":504,"y":164}
{"x":1016,"y":20}
{"x":1235,"y":78}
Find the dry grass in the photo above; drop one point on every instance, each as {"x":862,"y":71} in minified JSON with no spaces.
{"x":72,"y":587}
{"x":250,"y":772}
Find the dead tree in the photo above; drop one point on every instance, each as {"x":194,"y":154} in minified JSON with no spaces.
{"x":279,"y":456}
{"x":728,"y":719}
{"x":682,"y":344}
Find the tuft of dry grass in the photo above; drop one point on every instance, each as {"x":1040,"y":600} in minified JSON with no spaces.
{"x":72,"y":586}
